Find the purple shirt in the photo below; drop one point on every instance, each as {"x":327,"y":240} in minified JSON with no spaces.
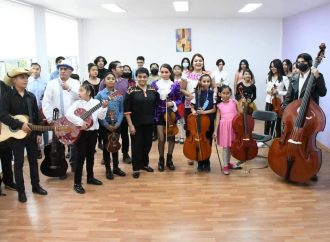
{"x":121,"y":86}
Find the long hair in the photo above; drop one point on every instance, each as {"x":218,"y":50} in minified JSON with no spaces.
{"x":243,"y":62}
{"x":280,"y":71}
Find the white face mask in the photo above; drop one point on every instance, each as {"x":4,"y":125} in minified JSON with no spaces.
{"x":185,"y":65}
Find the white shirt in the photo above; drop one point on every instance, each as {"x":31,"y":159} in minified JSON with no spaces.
{"x":52,"y":96}
{"x":282,"y":88}
{"x":302,"y":79}
{"x":98,"y":114}
{"x":218,"y":75}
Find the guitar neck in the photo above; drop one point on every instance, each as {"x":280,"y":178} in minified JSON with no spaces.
{"x":41,"y":128}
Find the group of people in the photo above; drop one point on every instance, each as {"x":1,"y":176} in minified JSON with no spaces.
{"x":138,"y":103}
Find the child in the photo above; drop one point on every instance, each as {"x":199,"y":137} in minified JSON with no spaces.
{"x":116,"y":107}
{"x":203,"y":103}
{"x":226,"y":111}
{"x":248,"y":90}
{"x":87,"y":140}
{"x":170,"y":98}
{"x":177,"y":71}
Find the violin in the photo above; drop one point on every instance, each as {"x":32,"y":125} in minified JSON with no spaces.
{"x":243,"y":147}
{"x":276,"y":103}
{"x":249,"y":106}
{"x":170,"y":120}
{"x":295,"y":156}
{"x":197,"y":146}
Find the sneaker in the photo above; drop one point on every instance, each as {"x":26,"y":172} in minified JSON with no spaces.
{"x":261,"y":145}
{"x":226,"y":170}
{"x":182,"y":141}
{"x":176,"y":140}
{"x":234,"y":166}
{"x":126,"y":158}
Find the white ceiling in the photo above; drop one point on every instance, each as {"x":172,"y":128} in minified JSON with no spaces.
{"x":91,"y":9}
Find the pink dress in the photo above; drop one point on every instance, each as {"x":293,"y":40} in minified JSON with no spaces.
{"x":228,"y":110}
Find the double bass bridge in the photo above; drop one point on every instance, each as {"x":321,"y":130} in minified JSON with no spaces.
{"x":294,"y":142}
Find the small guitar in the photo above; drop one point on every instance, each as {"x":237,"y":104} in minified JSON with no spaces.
{"x":113,"y":137}
{"x":6,"y":132}
{"x":73,"y":136}
{"x":54,"y":164}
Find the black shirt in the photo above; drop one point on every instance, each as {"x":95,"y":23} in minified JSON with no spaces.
{"x":101,"y":73}
{"x":12,"y":103}
{"x":249,"y":92}
{"x":141,"y":105}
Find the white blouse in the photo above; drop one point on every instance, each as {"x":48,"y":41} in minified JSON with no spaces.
{"x":282,"y":88}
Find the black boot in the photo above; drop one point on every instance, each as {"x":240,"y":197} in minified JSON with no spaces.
{"x":161,"y":163}
{"x":109,"y":174}
{"x":169,"y":162}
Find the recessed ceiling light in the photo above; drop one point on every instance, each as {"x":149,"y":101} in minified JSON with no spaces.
{"x":181,"y":6}
{"x":114,"y":8}
{"x":250,"y":7}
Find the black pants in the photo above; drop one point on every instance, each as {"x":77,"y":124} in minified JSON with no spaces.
{"x":269,"y":126}
{"x":6,"y":155}
{"x":124,"y":136}
{"x":85,"y":150}
{"x":141,"y":145}
{"x":187,"y":111}
{"x":18,"y":145}
{"x":106,"y":154}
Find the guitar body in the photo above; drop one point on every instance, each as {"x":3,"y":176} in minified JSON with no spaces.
{"x":73,"y":136}
{"x":113,"y":142}
{"x":54,"y":164}
{"x":6,"y":132}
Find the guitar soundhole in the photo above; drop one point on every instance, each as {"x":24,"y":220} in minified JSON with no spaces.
{"x":13,"y":130}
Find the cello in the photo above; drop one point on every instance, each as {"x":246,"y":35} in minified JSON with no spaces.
{"x":197,"y":146}
{"x":243,"y":147}
{"x":295,"y":156}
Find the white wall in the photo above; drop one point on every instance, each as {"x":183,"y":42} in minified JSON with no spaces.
{"x":258,"y":41}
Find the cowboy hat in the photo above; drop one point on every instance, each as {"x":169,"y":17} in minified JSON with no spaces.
{"x":8,"y":79}
{"x":65,"y":64}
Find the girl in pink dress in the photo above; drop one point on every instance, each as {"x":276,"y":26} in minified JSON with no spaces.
{"x":227,"y":109}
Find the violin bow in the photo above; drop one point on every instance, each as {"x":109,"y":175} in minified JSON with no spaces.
{"x":199,"y":141}
{"x":166,"y":120}
{"x":216,"y":147}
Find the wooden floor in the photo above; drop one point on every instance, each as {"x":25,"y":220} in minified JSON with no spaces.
{"x":173,"y":206}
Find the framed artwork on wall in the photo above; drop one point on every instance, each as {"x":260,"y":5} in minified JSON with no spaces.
{"x":183,"y":40}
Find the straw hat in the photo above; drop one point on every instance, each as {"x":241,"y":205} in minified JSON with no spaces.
{"x":8,"y":78}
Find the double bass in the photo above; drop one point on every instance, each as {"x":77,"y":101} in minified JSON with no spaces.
{"x":197,"y":146}
{"x":295,"y":156}
{"x":243,"y":147}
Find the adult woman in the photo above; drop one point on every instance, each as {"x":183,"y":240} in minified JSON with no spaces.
{"x":243,"y":64}
{"x":139,"y":106}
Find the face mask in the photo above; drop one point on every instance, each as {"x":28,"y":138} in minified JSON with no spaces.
{"x":154,"y":71}
{"x":127,"y":75}
{"x":303,"y":67}
{"x":185,"y":65}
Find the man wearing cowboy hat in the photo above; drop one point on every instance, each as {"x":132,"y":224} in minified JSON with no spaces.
{"x":19,"y":101}
{"x":61,"y":93}
{"x":6,"y":153}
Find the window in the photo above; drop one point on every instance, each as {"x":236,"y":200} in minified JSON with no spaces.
{"x":17,"y":31}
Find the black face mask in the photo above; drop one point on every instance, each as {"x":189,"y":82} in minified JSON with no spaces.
{"x":303,"y":67}
{"x":154,"y":71}
{"x":127,"y":75}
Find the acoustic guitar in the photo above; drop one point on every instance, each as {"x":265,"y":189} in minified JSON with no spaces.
{"x":54,"y":164}
{"x":6,"y":132}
